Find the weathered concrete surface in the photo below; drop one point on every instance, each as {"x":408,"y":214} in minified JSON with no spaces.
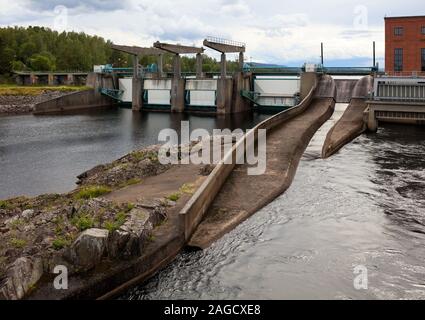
{"x":345,"y":90}
{"x":82,"y":100}
{"x":351,"y":124}
{"x":243,"y":194}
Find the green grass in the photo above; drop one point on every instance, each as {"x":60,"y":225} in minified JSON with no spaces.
{"x":90,"y":192}
{"x":83,"y":222}
{"x":130,"y":182}
{"x":130,"y":206}
{"x":4,"y":204}
{"x":15,"y":90}
{"x":15,"y":224}
{"x":174,"y":196}
{"x":18,"y":243}
{"x":119,"y":220}
{"x":188,"y":188}
{"x":141,"y":155}
{"x":60,"y":243}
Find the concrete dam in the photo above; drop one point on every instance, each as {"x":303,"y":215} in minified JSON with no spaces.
{"x":227,"y":196}
{"x":315,"y":112}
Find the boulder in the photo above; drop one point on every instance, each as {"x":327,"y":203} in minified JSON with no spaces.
{"x":27,"y":214}
{"x":89,"y":248}
{"x":21,"y":277}
{"x":128,"y":241}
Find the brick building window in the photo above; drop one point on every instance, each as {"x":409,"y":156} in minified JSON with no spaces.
{"x":398,"y":31}
{"x":398,"y":59}
{"x":423,"y":30}
{"x":423,"y":58}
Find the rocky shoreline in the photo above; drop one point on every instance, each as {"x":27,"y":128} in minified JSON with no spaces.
{"x":78,"y":229}
{"x":85,"y":228}
{"x":24,"y":104}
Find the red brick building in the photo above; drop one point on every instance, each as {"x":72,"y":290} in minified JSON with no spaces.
{"x":405,"y":45}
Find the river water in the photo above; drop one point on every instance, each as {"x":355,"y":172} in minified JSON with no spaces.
{"x":362,"y":208}
{"x":44,"y":154}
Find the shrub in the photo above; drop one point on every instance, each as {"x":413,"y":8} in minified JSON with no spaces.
{"x":83,"y":222}
{"x":18,"y":243}
{"x":60,"y":243}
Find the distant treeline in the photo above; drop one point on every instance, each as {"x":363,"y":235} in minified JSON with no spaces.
{"x":42,"y":49}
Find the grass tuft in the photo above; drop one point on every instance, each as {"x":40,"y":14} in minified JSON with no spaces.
{"x":174,"y":196}
{"x":119,"y":220}
{"x":83,"y":222}
{"x":18,"y":243}
{"x":90,"y":192}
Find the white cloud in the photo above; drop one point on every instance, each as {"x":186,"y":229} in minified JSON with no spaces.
{"x":275,"y":31}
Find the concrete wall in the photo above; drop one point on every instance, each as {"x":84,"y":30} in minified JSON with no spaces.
{"x":194,"y":210}
{"x":241,"y":81}
{"x":395,"y":112}
{"x":224,"y":95}
{"x":177,"y":95}
{"x":351,"y":124}
{"x":81,"y":100}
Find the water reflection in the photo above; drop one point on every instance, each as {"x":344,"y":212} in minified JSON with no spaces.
{"x":45,"y":153}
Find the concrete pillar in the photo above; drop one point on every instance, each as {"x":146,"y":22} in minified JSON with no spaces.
{"x":177,"y":67}
{"x":198,"y":65}
{"x":372,"y":123}
{"x":70,"y":79}
{"x":224,"y":95}
{"x":33,"y":79}
{"x":160,"y":65}
{"x":241,"y":81}
{"x":136,"y":104}
{"x":50,"y":79}
{"x":177,"y":94}
{"x":241,"y":61}
{"x":223,"y":66}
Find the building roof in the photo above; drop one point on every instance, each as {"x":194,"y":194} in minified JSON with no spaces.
{"x":405,"y":17}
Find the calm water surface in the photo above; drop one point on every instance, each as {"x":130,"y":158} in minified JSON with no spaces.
{"x":43,"y":154}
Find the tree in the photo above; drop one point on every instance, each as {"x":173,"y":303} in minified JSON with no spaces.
{"x":41,"y":62}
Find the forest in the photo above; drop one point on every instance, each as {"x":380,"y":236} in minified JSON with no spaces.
{"x":42,"y":49}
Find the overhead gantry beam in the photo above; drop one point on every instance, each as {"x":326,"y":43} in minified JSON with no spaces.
{"x":138,"y":51}
{"x":177,"y":50}
{"x":226,"y":46}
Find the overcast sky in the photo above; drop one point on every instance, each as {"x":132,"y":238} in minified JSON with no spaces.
{"x":275,"y":31}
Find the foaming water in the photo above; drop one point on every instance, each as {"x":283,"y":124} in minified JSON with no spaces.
{"x":363,"y":206}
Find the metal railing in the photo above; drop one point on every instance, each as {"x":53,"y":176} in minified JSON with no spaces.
{"x":225,"y":41}
{"x":405,"y":74}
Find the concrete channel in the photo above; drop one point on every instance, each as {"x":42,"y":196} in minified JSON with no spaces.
{"x":222,"y":200}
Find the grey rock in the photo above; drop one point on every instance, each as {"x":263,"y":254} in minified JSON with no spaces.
{"x":21,"y":276}
{"x":27,"y":214}
{"x":89,"y":248}
{"x":130,"y":239}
